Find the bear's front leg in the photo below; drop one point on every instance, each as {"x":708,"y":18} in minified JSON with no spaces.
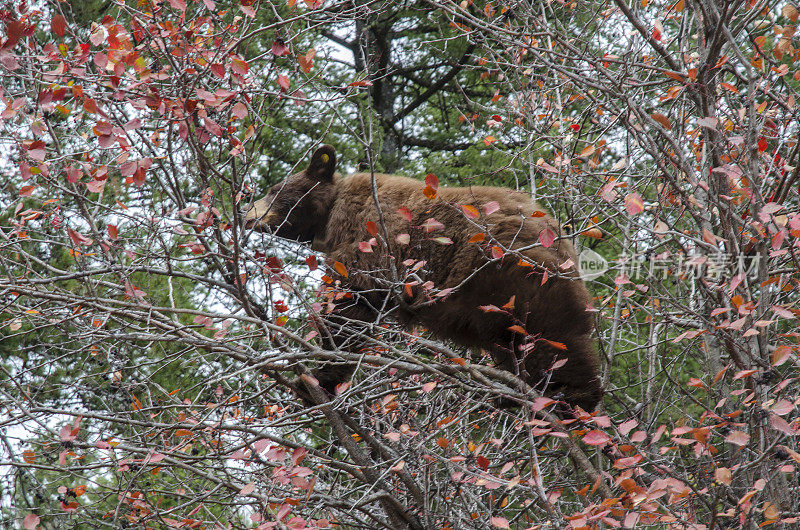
{"x":346,"y":328}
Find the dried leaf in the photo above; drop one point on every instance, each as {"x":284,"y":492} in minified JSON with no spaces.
{"x":662,"y":120}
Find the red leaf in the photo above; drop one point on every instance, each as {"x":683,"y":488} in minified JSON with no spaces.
{"x":279,"y":48}
{"x":239,"y":66}
{"x":554,"y":344}
{"x":25,"y":191}
{"x":66,"y":433}
{"x":364,"y":246}
{"x":58,"y":24}
{"x":497,"y":252}
{"x":311,"y":261}
{"x":90,"y":106}
{"x":113,"y":232}
{"x":14,"y":32}
{"x":432,"y":181}
{"x":78,"y":239}
{"x":218,"y":70}
{"x":213,"y":127}
{"x":372,"y":228}
{"x":762,"y":145}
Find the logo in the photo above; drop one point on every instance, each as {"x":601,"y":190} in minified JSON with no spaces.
{"x":592,"y":265}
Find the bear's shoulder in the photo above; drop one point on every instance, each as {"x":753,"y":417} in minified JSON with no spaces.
{"x":363,"y":181}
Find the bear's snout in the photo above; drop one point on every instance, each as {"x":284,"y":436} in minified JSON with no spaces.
{"x":259,"y":217}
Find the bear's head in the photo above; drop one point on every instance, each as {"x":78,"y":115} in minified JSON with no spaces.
{"x":298,"y":207}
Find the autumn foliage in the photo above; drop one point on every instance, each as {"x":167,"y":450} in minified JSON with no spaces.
{"x":151,"y":346}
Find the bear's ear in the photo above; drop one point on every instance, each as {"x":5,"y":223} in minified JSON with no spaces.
{"x":323,"y":163}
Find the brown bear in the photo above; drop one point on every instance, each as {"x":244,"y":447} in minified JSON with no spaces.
{"x":481,"y":266}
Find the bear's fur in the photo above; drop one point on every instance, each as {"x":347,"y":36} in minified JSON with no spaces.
{"x":460,"y":291}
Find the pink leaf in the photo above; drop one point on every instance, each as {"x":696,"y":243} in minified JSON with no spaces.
{"x":499,"y":522}
{"x":431,"y":225}
{"x":405,"y":213}
{"x":491,"y":207}
{"x":595,"y":437}
{"x":283,"y":82}
{"x":737,"y":438}
{"x":547,"y":237}
{"x":634,"y":203}
{"x":31,"y":521}
{"x":779,"y":424}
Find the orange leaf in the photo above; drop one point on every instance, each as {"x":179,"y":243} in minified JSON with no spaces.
{"x":470,"y":211}
{"x":674,"y":75}
{"x":596,"y":233}
{"x":341,"y":269}
{"x":780,"y":355}
{"x":661,"y":119}
{"x":477,"y":238}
